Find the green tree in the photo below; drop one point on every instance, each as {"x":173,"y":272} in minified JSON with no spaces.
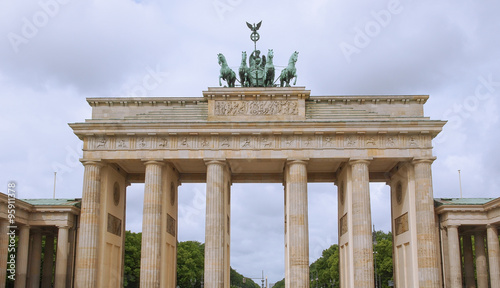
{"x":190,"y":264}
{"x":238,"y":282}
{"x":280,"y":284}
{"x":383,"y":256}
{"x":132,"y":269}
{"x":324,"y":271}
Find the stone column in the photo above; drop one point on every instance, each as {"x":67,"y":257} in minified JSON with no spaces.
{"x":22,"y":256}
{"x":86,"y":262}
{"x":214,"y":226}
{"x":470,"y":281}
{"x":455,"y":258}
{"x":151,"y":224}
{"x":493,"y":254}
{"x":427,"y":238}
{"x":48,"y":261}
{"x":481,"y":266}
{"x":36,"y":260}
{"x":4,"y":245}
{"x":362,"y":225}
{"x":298,"y":228}
{"x":61,"y":257}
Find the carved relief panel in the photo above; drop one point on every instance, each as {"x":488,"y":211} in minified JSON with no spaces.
{"x":259,"y":141}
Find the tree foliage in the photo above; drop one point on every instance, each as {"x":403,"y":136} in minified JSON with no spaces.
{"x":132,"y":270}
{"x":280,"y":284}
{"x":190,"y":264}
{"x":237,"y":281}
{"x":383,"y":257}
{"x":324,"y":272}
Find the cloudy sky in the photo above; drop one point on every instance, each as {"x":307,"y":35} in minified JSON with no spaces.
{"x":54,"y":54}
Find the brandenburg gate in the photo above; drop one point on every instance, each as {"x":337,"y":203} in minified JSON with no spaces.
{"x":253,"y":135}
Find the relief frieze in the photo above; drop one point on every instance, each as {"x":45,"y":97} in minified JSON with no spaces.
{"x":101,"y":143}
{"x":259,"y":141}
{"x":122,"y":143}
{"x":184,"y":142}
{"x":289,"y":141}
{"x":246,"y":142}
{"x":143,"y":143}
{"x":163,"y":142}
{"x":256,"y":108}
{"x":328,"y":141}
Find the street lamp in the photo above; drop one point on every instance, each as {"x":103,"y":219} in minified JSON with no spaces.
{"x":375,"y":256}
{"x":193,"y":281}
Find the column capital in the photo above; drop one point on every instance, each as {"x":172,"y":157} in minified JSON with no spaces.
{"x":361,"y":160}
{"x":63,"y":226}
{"x":24,"y":226}
{"x":153,"y":161}
{"x":96,"y":162}
{"x":217,"y":161}
{"x":452,"y":226}
{"x":297,"y":161}
{"x":418,"y":160}
{"x":488,"y":226}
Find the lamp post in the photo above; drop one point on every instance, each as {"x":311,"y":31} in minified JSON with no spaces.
{"x":375,"y":257}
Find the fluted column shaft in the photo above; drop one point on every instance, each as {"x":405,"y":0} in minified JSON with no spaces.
{"x":22,"y":256}
{"x":470,"y":280}
{"x":362,"y":225}
{"x":214,"y":226}
{"x":493,"y":254}
{"x":4,"y":245}
{"x":48,"y":261}
{"x":36,"y":260}
{"x":151,"y":224}
{"x":86,"y":263}
{"x":61,"y":257}
{"x":455,"y":257}
{"x":481,"y":266}
{"x":298,"y":227}
{"x":427,"y":238}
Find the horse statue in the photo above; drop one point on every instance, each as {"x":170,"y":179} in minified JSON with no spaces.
{"x":289,"y":72}
{"x":244,"y":70}
{"x":226,"y":73}
{"x":269,"y":70}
